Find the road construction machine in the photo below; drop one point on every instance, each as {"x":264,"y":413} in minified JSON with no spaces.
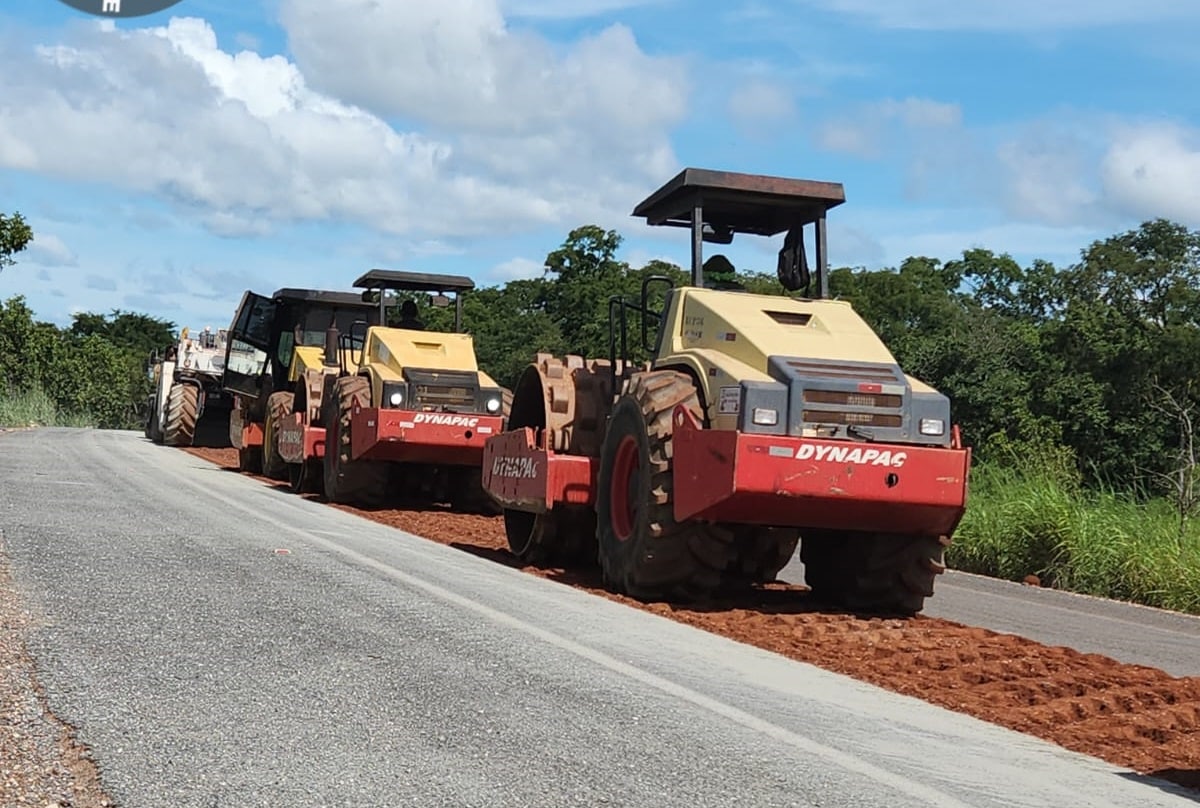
{"x":761,"y":422}
{"x":188,"y":405}
{"x":409,"y":409}
{"x":280,"y":351}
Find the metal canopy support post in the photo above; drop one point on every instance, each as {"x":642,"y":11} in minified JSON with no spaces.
{"x":382,"y":306}
{"x":822,"y":265}
{"x":458,"y":311}
{"x":698,"y":245}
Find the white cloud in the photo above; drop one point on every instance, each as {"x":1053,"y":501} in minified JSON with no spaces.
{"x":515,"y":269}
{"x":849,"y":137}
{"x":1065,"y":168}
{"x":246,"y":142}
{"x":100,"y":283}
{"x":759,"y":105}
{"x":48,"y":250}
{"x":1010,"y":15}
{"x":586,"y":124}
{"x":1154,"y":170}
{"x":1024,"y":241}
{"x":1046,"y":177}
{"x":458,"y":64}
{"x":569,"y":9}
{"x":920,"y":112}
{"x":863,"y":132}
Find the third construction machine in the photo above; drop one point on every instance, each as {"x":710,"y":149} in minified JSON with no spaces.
{"x":187,"y":405}
{"x":410,"y":408}
{"x":761,"y":421}
{"x":277,"y":359}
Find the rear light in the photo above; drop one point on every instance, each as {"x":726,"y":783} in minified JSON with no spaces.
{"x":933,"y":426}
{"x":765,"y":417}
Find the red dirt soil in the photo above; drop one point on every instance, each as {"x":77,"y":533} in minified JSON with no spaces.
{"x":1129,"y":715}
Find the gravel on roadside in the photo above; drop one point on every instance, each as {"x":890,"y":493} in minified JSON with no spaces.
{"x":41,"y":762}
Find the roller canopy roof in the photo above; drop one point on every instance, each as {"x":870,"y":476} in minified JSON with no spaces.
{"x":413,"y":281}
{"x":741,"y":203}
{"x":322,"y":298}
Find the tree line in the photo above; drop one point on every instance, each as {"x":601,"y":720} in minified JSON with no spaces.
{"x":1093,"y":366}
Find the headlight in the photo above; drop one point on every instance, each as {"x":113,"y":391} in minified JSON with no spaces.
{"x":395,"y":394}
{"x":493,"y":405}
{"x":765,"y":417}
{"x":933,"y":426}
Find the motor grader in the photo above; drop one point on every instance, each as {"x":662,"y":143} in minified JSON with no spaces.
{"x":409,"y":409}
{"x":759,"y":423}
{"x":277,"y":355}
{"x":187,"y":400}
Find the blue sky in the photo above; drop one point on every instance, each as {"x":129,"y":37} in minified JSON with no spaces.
{"x":167,"y":163}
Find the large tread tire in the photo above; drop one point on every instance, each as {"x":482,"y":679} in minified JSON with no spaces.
{"x":279,"y":406}
{"x":183,"y":409}
{"x":347,"y":481}
{"x":468,"y":495}
{"x":643,"y":551}
{"x":506,"y":400}
{"x":873,"y":572}
{"x":250,"y":459}
{"x":761,"y":553}
{"x":153,"y":426}
{"x":307,"y":477}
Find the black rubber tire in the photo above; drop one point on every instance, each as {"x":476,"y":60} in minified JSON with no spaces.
{"x":467,"y":494}
{"x":250,"y":459}
{"x":659,"y":558}
{"x":183,"y":409}
{"x":872,"y":572}
{"x":279,"y":406}
{"x":506,"y":400}
{"x":761,"y":553}
{"x":306,"y":477}
{"x":153,"y":427}
{"x":359,"y":482}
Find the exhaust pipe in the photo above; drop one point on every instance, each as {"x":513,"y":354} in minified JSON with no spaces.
{"x":331,"y":347}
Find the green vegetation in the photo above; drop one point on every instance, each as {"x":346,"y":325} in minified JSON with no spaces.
{"x":1078,"y":387}
{"x":15,"y":235}
{"x":33,"y":407}
{"x":91,"y":374}
{"x":1035,"y":521}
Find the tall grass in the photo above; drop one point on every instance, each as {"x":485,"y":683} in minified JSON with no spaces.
{"x":1033,"y":519}
{"x":34,"y":408}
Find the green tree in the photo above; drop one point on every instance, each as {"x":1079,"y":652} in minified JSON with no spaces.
{"x":138,"y":333}
{"x":15,"y":235}
{"x":24,"y":345}
{"x":509,"y":325}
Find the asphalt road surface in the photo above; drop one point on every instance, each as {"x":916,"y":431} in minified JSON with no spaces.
{"x":367,"y":667}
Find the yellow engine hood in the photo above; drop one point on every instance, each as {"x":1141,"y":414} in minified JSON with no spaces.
{"x":399,"y":348}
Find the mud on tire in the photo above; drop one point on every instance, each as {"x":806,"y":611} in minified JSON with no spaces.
{"x":362,"y":482}
{"x":183,"y":409}
{"x":279,"y":406}
{"x":873,"y":572}
{"x":643,"y":551}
